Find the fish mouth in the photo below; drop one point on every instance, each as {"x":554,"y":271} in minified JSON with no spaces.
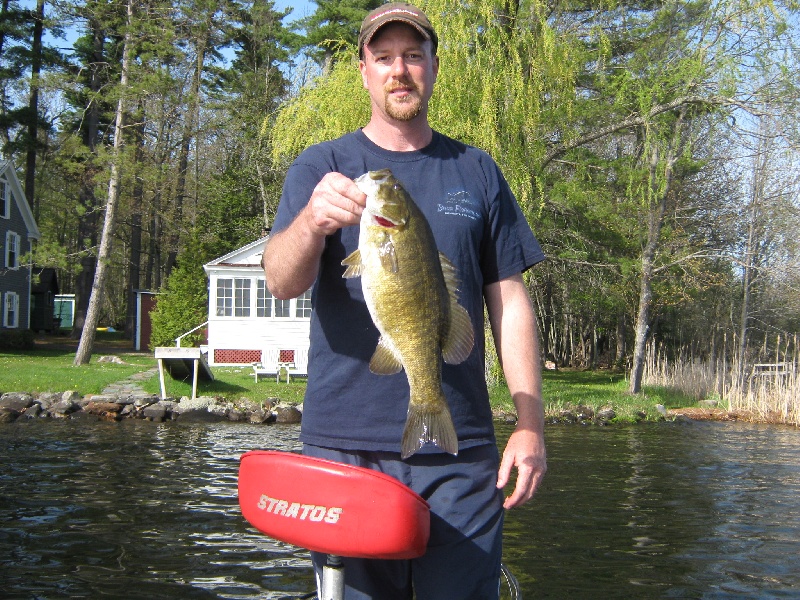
{"x":384,"y":222}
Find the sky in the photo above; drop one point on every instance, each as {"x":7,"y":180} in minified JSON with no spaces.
{"x":301,"y":8}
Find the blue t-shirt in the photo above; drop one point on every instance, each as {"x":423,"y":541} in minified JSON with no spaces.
{"x":477,"y":224}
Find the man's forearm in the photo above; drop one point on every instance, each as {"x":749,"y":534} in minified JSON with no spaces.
{"x":291,"y":259}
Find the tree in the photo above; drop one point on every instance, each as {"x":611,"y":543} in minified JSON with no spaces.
{"x":183,"y":303}
{"x":595,"y":117}
{"x":84,"y":352}
{"x":24,"y":57}
{"x":333,"y":27}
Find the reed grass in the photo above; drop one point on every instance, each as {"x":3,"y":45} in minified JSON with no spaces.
{"x":767,"y":397}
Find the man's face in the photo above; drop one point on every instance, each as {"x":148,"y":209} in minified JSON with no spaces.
{"x":399,"y":70}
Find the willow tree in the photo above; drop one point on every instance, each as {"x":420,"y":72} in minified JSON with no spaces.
{"x":594,"y":116}
{"x":497,"y":63}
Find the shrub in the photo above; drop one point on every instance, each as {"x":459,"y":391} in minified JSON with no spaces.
{"x":17,"y":339}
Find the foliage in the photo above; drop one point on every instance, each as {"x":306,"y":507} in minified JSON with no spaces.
{"x":332,"y":28}
{"x":627,"y":130}
{"x":183,"y":303}
{"x":17,"y":339}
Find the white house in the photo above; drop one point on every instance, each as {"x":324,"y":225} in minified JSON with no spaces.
{"x":246,"y":324}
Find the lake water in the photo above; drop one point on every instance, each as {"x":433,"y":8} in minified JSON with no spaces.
{"x":143,"y":510}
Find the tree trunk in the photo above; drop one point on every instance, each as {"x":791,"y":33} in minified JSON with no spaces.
{"x":621,"y":333}
{"x":135,"y":252}
{"x":86,"y":344}
{"x":659,"y":192}
{"x":88,"y":222}
{"x":186,"y":142}
{"x":751,"y":250}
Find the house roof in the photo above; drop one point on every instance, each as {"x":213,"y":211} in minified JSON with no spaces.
{"x":45,"y":280}
{"x":7,"y":170}
{"x":246,"y":256}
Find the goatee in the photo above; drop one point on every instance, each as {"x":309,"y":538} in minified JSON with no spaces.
{"x":405,"y":108}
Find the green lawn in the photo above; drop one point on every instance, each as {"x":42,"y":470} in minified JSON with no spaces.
{"x":51,"y":370}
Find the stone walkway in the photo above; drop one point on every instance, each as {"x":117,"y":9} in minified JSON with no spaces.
{"x":130,"y":386}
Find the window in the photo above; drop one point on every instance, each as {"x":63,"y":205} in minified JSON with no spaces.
{"x":224,"y":297}
{"x":283,"y":309}
{"x":11,"y":310}
{"x":263,"y":299}
{"x":303,"y":309}
{"x":5,"y":199}
{"x":235,"y":298}
{"x":241,"y":297}
{"x":12,"y":250}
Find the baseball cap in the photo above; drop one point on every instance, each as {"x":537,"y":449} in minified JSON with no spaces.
{"x":396,"y":11}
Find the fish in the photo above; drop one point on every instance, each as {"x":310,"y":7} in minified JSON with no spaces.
{"x":411,"y":291}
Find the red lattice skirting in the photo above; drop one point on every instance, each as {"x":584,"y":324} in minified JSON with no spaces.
{"x":237,"y":356}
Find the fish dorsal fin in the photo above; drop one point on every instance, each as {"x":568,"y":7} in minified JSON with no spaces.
{"x":384,"y":362}
{"x":354,"y":265}
{"x":460,"y":337}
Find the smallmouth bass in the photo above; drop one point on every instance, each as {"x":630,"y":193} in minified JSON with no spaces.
{"x":411,"y":292}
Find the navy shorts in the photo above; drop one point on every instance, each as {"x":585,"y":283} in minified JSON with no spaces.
{"x":465,"y":547}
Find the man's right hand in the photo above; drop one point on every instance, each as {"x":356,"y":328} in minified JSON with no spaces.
{"x":291,"y":257}
{"x":336,"y":202}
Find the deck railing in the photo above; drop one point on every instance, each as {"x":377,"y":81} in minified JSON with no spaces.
{"x":191,"y":331}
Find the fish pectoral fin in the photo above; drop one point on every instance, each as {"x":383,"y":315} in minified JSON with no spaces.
{"x":450,"y":275}
{"x":424,"y":425}
{"x":460,"y":337}
{"x":354,"y":265}
{"x":388,"y":256}
{"x":458,"y":342}
{"x":383,"y":361}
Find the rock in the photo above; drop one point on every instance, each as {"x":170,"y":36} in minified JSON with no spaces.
{"x":287,"y":414}
{"x":200,"y":410}
{"x":102,"y":408}
{"x":72,"y":396}
{"x":101,"y":398}
{"x":605,"y":415}
{"x":111,"y":359}
{"x":259,"y":416}
{"x":8,"y":415}
{"x":159,"y":411}
{"x":48,"y":399}
{"x":584,"y":413}
{"x":662,"y":410}
{"x":16,"y":401}
{"x":82,"y":415}
{"x":567,"y":416}
{"x":237,"y":415}
{"x":33,"y":411}
{"x":64,"y":407}
{"x":145,"y":401}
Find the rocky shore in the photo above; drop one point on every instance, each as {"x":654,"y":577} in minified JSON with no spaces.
{"x":115,"y":407}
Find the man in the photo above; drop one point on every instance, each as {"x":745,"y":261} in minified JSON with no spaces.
{"x":354,"y":416}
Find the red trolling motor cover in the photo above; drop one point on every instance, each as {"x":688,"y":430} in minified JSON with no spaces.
{"x":332,"y":507}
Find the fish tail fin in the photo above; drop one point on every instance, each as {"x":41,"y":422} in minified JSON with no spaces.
{"x":424,"y":425}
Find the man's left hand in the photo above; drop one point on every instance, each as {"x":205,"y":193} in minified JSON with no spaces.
{"x":525,"y":450}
